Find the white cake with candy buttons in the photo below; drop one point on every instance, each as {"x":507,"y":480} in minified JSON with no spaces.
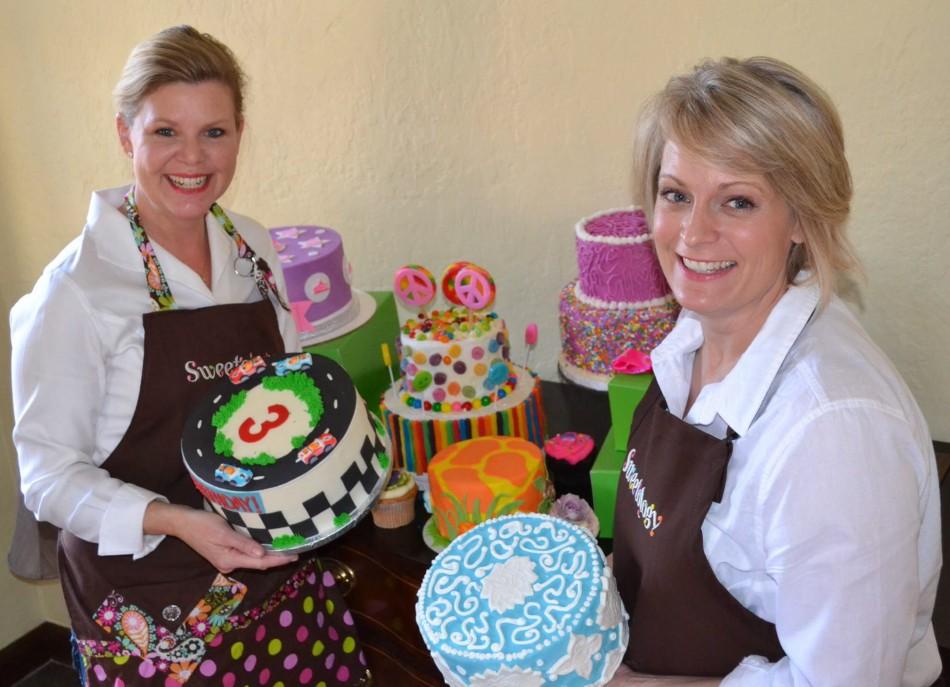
{"x":524,"y":600}
{"x":458,"y":381}
{"x":285,"y":450}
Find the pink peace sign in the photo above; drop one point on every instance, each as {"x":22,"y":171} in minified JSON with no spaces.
{"x":414,"y":285}
{"x":474,"y":287}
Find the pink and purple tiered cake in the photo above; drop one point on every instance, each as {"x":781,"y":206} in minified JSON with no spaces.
{"x":318,"y":278}
{"x":620,"y":299}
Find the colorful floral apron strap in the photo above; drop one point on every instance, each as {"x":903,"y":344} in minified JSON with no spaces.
{"x":158,"y":290}
{"x":247,"y":264}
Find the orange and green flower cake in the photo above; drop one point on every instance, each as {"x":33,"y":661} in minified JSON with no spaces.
{"x":475,"y":480}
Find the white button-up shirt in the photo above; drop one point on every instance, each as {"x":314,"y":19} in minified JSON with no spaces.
{"x":829,"y":526}
{"x":77,"y":365}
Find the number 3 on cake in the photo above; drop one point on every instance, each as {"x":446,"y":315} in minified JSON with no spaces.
{"x":277,"y":414}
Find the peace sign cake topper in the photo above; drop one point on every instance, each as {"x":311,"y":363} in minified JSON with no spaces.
{"x":414,"y":286}
{"x":463,"y":283}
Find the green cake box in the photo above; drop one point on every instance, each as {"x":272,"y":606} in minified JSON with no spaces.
{"x":624,"y":392}
{"x":359,"y":351}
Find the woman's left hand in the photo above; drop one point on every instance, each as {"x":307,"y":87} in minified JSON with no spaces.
{"x":624,"y":677}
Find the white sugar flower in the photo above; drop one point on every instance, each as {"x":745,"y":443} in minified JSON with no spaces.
{"x":580,"y":656}
{"x":509,"y":583}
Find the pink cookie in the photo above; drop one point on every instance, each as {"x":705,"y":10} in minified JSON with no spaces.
{"x":572,"y":447}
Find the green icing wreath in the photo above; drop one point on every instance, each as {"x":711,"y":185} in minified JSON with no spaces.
{"x":299,"y":384}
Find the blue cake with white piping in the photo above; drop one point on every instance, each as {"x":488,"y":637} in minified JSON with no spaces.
{"x":525,"y":599}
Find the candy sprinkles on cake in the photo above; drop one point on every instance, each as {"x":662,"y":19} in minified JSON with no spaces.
{"x":451,"y":327}
{"x":458,"y":381}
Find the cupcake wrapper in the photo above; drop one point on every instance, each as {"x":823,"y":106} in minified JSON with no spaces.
{"x":392,"y":513}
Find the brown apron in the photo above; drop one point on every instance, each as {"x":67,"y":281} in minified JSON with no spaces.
{"x":170,"y":616}
{"x":682,"y":620}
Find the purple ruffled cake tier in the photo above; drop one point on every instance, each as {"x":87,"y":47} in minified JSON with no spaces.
{"x":616,"y":260}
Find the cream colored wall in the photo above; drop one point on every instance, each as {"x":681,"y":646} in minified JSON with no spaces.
{"x":434,"y":131}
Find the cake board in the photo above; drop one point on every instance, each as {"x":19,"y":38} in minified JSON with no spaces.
{"x":359,"y":312}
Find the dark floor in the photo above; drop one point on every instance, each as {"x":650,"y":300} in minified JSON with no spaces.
{"x":50,"y":674}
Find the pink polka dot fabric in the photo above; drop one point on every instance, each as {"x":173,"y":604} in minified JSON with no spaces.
{"x":308,"y":639}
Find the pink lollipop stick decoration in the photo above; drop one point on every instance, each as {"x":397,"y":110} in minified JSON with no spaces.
{"x":474,"y":287}
{"x":530,"y":341}
{"x":414,"y":286}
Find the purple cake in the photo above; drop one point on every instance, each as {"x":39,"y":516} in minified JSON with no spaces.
{"x":620,"y":299}
{"x":318,"y":278}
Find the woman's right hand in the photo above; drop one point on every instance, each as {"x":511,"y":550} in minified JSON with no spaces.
{"x":211,"y":536}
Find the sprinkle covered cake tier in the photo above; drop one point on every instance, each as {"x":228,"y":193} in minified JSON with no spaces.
{"x":525,"y":600}
{"x":285,"y":450}
{"x":620,"y":299}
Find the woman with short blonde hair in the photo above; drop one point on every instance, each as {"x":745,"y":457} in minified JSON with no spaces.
{"x":791,"y":470}
{"x":158,"y":589}
{"x":761,"y":116}
{"x":179,"y":54}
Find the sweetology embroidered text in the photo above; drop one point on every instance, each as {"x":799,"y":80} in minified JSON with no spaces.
{"x":646,"y":511}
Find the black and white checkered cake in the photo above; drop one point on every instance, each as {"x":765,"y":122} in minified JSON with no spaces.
{"x":286,"y":451}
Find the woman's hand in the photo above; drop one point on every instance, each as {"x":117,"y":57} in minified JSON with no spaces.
{"x":212,"y":537}
{"x":624,"y":677}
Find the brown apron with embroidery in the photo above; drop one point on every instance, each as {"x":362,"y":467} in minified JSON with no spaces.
{"x":682,"y":620}
{"x":169,"y":617}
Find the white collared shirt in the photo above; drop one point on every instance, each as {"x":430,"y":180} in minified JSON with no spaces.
{"x":77,"y":364}
{"x":829,"y":526}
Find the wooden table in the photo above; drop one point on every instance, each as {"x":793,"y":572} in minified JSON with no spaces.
{"x":384,"y":568}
